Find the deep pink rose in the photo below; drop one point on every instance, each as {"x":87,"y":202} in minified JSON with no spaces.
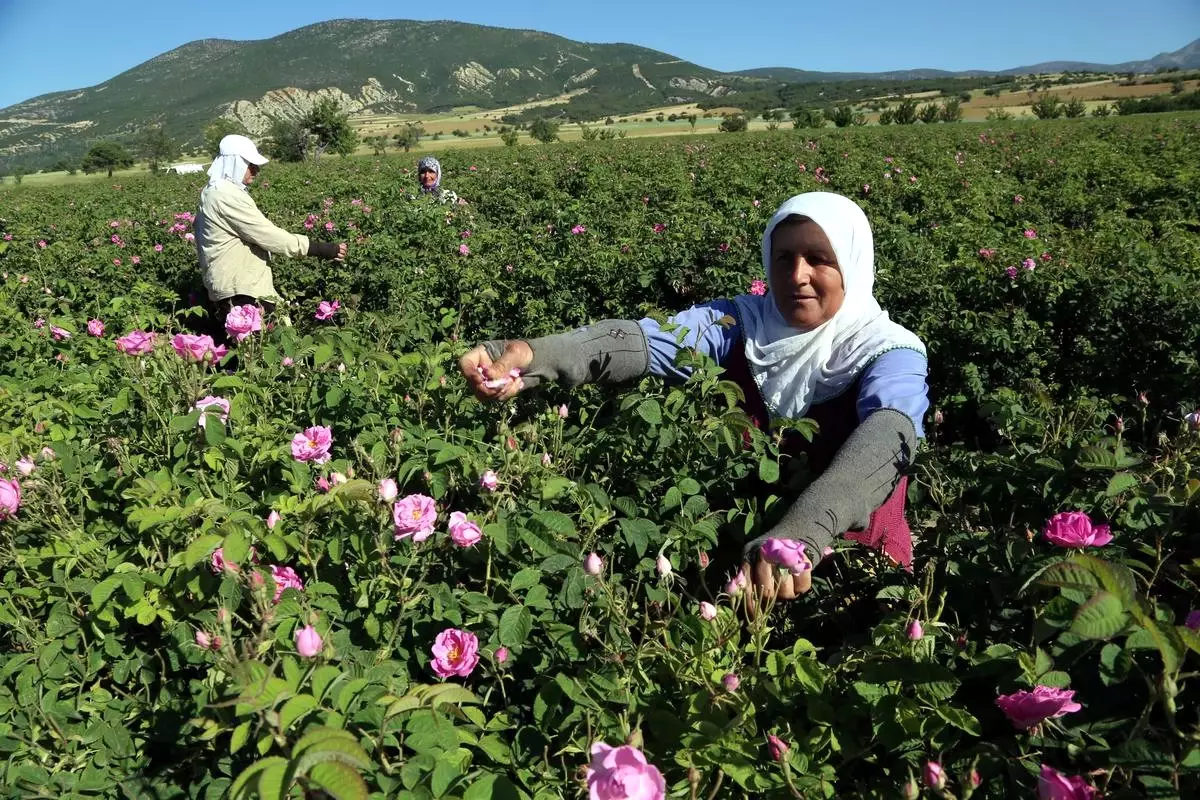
{"x":198,"y":348}
{"x":787,"y":553}
{"x":455,"y":652}
{"x":463,"y":532}
{"x":95,"y":328}
{"x":312,"y":444}
{"x":415,"y":516}
{"x":285,"y":578}
{"x":1053,"y":785}
{"x":326,"y":309}
{"x":623,"y":773}
{"x":243,"y":321}
{"x":1076,"y":529}
{"x":1027,"y":709}
{"x":10,"y":498}
{"x":758,"y":287}
{"x":777,"y":746}
{"x":136,"y":343}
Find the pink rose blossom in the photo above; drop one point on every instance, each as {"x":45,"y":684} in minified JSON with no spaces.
{"x":501,"y":655}
{"x":731,"y":682}
{"x":415,"y":516}
{"x":1030,"y":233}
{"x":1029,"y":263}
{"x":243,"y":321}
{"x":758,"y":287}
{"x":218,"y":564}
{"x":285,"y":578}
{"x":1193,"y":420}
{"x":1076,"y":529}
{"x":308,"y":641}
{"x":489,"y":481}
{"x":777,"y":746}
{"x":42,"y":243}
{"x":212,"y":404}
{"x":204,"y":640}
{"x":1028,"y":709}
{"x":546,"y":460}
{"x":59,"y":334}
{"x":287,"y":361}
{"x":578,"y":229}
{"x":1053,"y":785}
{"x":326,"y":309}
{"x":463,"y":250}
{"x":47,"y":454}
{"x":563,"y":411}
{"x":198,"y":348}
{"x":136,"y":343}
{"x":388,"y":490}
{"x":158,"y":248}
{"x":1011,"y":272}
{"x":39,"y":323}
{"x":986,"y":253}
{"x":622,"y":773}
{"x":708,"y":612}
{"x":935,"y":778}
{"x":915,"y":631}
{"x":10,"y":498}
{"x":659,"y":227}
{"x":593,"y":564}
{"x":135,"y":260}
{"x":313,"y":444}
{"x":329,"y":226}
{"x":737,"y":583}
{"x":25,"y":466}
{"x":1017,"y":199}
{"x":787,"y":553}
{"x":272,"y":520}
{"x":463,"y":532}
{"x":95,"y":328}
{"x":455,"y":652}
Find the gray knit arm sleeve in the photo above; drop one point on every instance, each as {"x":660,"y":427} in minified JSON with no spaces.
{"x":609,"y":351}
{"x":863,"y":474}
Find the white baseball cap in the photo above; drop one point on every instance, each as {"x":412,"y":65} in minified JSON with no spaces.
{"x":237,"y":145}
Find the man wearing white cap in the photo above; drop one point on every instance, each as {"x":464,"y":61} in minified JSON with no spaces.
{"x":235,"y":240}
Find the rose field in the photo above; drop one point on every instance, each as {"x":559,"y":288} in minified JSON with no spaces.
{"x":316,"y":566}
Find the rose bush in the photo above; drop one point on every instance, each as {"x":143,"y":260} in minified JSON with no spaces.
{"x":183,"y":613}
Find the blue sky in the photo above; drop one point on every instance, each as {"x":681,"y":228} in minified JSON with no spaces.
{"x":52,"y":45}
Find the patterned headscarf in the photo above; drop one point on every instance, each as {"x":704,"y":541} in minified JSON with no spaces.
{"x":429,"y":162}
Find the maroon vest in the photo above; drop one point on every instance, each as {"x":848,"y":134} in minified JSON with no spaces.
{"x":888,"y":530}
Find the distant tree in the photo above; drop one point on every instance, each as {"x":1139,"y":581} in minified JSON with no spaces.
{"x":887,"y":116}
{"x":287,"y":140}
{"x":691,"y":118}
{"x":1177,"y":86}
{"x":217,"y":130}
{"x":156,"y":147}
{"x":842,"y":116}
{"x":929,"y":113}
{"x":807,"y":118}
{"x":607,"y":134}
{"x":1075,"y":108}
{"x":964,"y":97}
{"x":378,"y":144}
{"x":546,"y":130}
{"x":510,"y":136}
{"x":106,"y":156}
{"x":951,"y":110}
{"x":1047,"y":106}
{"x":408,"y":137}
{"x":998,"y":114}
{"x":772,"y":125}
{"x":331,"y":128}
{"x":64,"y":165}
{"x":906,"y":112}
{"x":18,"y":174}
{"x":589,"y":133}
{"x":734,"y":123}
{"x":1102,"y":110}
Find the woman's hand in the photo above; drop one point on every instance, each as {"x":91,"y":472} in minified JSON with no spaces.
{"x":491,"y":380}
{"x":769,"y":583}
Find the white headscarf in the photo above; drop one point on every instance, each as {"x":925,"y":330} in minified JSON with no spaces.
{"x":228,"y":168}
{"x":796,"y":369}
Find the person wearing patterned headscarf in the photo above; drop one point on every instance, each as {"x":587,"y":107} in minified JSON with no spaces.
{"x":811,"y":341}
{"x":429,"y":176}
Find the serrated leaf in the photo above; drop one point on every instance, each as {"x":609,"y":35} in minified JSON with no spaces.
{"x":341,"y":781}
{"x":525,"y":578}
{"x":201,"y":548}
{"x":768,"y":470}
{"x":1101,"y":617}
{"x":295,"y":708}
{"x":650,"y":410}
{"x":515,"y":626}
{"x":557,"y":523}
{"x":1121,"y":482}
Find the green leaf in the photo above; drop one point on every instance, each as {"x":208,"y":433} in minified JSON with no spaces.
{"x":250,"y":781}
{"x":1101,"y":617}
{"x":1121,"y":482}
{"x":651,"y":411}
{"x":235,"y":547}
{"x":214,"y":430}
{"x":639,"y":533}
{"x":296,"y":708}
{"x":555,"y":486}
{"x":557,"y":523}
{"x":103,"y":590}
{"x":515,"y":626}
{"x":341,"y":781}
{"x":768,"y":470}
{"x":240,"y":734}
{"x":201,"y":548}
{"x":525,"y":578}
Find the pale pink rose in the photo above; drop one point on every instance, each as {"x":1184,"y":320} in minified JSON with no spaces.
{"x":593,"y":564}
{"x":731,"y":682}
{"x":312,"y":444}
{"x":563,"y":411}
{"x":287,"y":361}
{"x":285,"y":578}
{"x":197,"y":348}
{"x":388,"y":490}
{"x":326,"y":309}
{"x":1029,"y":264}
{"x":915,"y":631}
{"x":95,"y":328}
{"x":1076,"y":529}
{"x":489,"y":481}
{"x":1053,"y":785}
{"x":243,"y":321}
{"x":203,"y":640}
{"x":25,"y":466}
{"x":708,"y":612}
{"x":10,"y":498}
{"x":463,"y":250}
{"x":1030,"y":233}
{"x":415,"y":516}
{"x":663,"y":566}
{"x":777,"y":746}
{"x":623,"y":773}
{"x":1028,"y":709}
{"x":308,"y":641}
{"x":211,"y":404}
{"x":455,"y":652}
{"x":323,"y":483}
{"x":787,"y":553}
{"x":136,"y":343}
{"x":935,"y":777}
{"x":272,"y":520}
{"x":578,"y":229}
{"x":463,"y":532}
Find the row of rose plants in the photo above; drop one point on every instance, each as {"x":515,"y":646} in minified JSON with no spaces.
{"x":310,"y":560}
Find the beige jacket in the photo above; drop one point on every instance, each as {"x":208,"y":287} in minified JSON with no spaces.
{"x":235,"y":241}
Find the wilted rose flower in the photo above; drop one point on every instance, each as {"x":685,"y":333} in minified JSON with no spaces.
{"x":455,"y":652}
{"x":308,"y":641}
{"x":623,"y":773}
{"x":1076,"y":529}
{"x":463,"y":532}
{"x":1028,"y":709}
{"x":415,"y":516}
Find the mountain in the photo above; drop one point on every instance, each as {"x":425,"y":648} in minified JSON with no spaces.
{"x":394,"y":66}
{"x":369,"y":67}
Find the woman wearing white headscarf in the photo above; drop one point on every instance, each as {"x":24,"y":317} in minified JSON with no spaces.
{"x":816,"y":345}
{"x":235,"y":240}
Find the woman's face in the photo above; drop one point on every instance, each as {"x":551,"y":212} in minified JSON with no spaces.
{"x":806,"y":282}
{"x":427,"y":177}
